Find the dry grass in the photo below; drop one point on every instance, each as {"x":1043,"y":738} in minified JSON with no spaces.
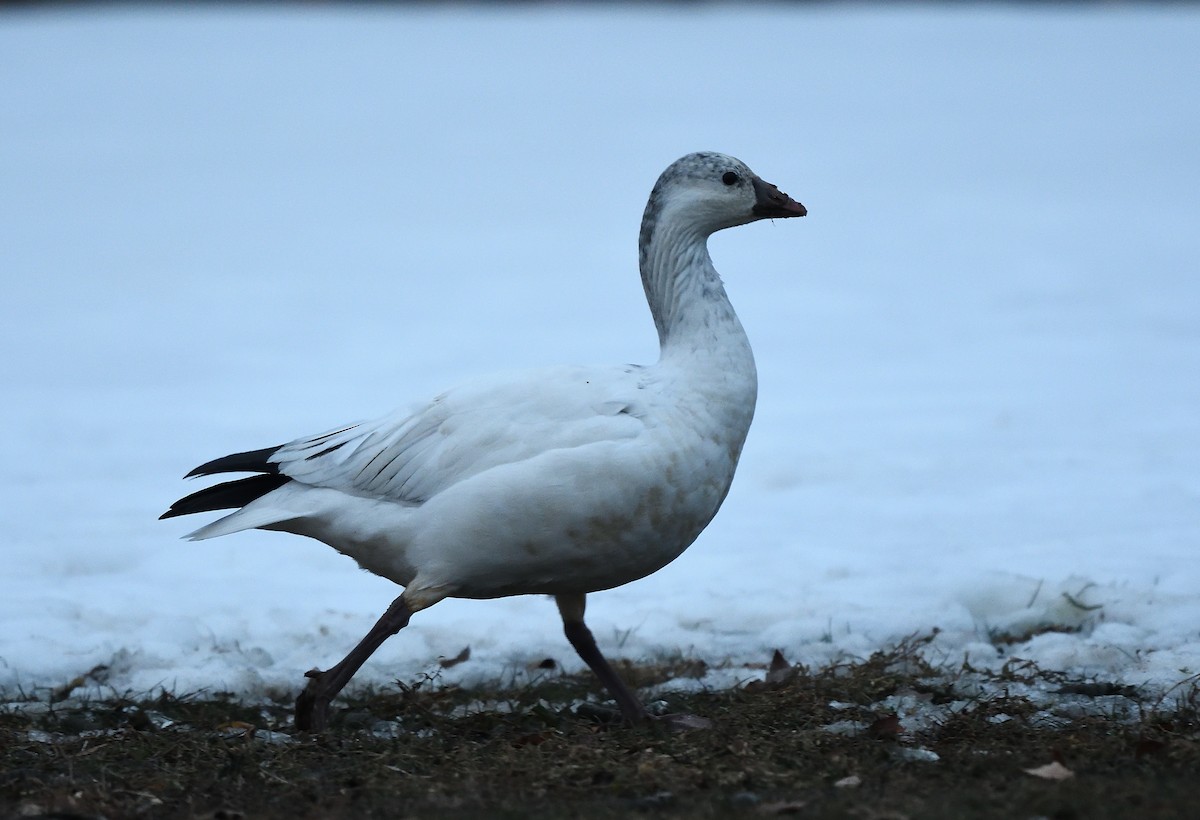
{"x":887,"y":737}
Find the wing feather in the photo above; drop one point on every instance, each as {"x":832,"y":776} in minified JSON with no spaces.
{"x":466,"y":431}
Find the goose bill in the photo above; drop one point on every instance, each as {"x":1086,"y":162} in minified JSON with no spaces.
{"x":773,"y":203}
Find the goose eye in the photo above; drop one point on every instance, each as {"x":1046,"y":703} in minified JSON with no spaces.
{"x":729,"y":178}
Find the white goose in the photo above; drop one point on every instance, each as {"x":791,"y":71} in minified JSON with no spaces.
{"x":562,"y":481}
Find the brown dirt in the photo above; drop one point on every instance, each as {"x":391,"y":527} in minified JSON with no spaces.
{"x":888,"y":737}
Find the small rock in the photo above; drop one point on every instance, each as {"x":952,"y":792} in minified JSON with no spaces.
{"x":657,"y":800}
{"x":745,"y":799}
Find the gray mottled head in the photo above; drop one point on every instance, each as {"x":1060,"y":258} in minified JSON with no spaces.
{"x":710,"y":191}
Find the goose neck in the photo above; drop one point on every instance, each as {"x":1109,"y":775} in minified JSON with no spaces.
{"x":687,"y":299}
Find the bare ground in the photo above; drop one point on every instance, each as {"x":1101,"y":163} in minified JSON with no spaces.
{"x":888,"y":737}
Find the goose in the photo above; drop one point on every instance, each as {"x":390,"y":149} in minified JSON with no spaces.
{"x":560,"y":481}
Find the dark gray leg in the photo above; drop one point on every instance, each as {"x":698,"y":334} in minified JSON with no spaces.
{"x":312,"y":706}
{"x":571,"y":607}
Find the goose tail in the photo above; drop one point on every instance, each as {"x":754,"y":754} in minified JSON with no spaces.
{"x":235,"y":494}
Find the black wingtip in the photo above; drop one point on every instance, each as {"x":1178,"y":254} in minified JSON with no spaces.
{"x":227,"y":495}
{"x":251,"y":461}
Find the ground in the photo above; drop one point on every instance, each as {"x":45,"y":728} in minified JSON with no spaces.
{"x":887,"y":737}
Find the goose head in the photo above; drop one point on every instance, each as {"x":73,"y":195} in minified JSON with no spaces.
{"x":707,"y":192}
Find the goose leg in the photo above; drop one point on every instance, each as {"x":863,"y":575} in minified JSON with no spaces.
{"x":312,"y":706}
{"x":571,"y":607}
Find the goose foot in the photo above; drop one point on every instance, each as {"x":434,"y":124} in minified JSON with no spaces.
{"x":312,"y":705}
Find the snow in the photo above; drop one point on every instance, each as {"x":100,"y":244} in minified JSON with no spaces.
{"x":224,"y":228}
